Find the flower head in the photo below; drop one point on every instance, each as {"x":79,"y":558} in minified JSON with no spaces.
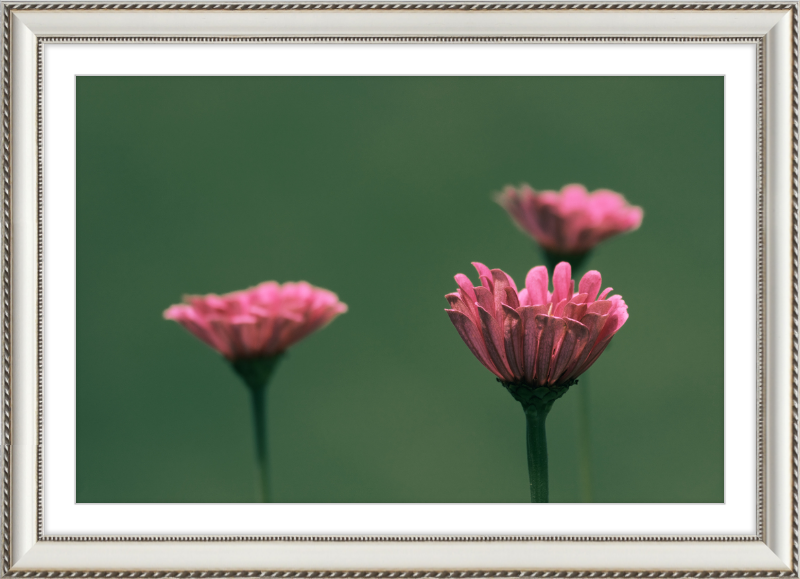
{"x":259,"y":322}
{"x":535,"y":337}
{"x":571,"y":222}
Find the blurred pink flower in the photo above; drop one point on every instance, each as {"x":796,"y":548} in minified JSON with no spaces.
{"x":532,"y":336}
{"x":570,"y":222}
{"x":258,"y":322}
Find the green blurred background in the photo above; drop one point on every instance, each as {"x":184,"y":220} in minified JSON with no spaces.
{"x":379,"y":188}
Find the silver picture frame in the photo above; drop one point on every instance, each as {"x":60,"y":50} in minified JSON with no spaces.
{"x":27,"y":551}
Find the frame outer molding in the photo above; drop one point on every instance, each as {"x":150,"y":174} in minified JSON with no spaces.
{"x":25,"y":553}
{"x":781,"y":336}
{"x":24,"y":315}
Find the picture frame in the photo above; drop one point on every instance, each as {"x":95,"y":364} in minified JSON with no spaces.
{"x":28,"y":551}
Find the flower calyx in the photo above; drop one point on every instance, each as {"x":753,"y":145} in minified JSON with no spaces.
{"x":256,"y":372}
{"x":539,"y":398}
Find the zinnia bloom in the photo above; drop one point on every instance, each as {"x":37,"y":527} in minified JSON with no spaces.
{"x":252,"y":328}
{"x":571,"y":222}
{"x":259,"y":322}
{"x":533,"y":337}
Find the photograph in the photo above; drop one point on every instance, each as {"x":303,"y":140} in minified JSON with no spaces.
{"x":397,"y":290}
{"x":400,"y":289}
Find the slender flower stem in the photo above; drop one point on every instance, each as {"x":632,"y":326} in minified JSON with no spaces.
{"x":537,"y":402}
{"x":256,"y":373}
{"x":258,"y":403}
{"x":535,"y":416}
{"x":584,"y":441}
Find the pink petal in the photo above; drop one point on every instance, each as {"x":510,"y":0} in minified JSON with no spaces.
{"x":512,"y":339}
{"x":616,"y":319}
{"x":483,"y":271}
{"x":201,"y":330}
{"x":562,"y":276}
{"x":264,"y":331}
{"x":523,"y":297}
{"x":536,"y":283}
{"x":458,"y":305}
{"x":225,"y":335}
{"x":574,"y":196}
{"x":470,"y":304}
{"x":511,"y":298}
{"x":500,"y":283}
{"x":634,"y":218}
{"x":572,"y":345}
{"x":596,"y":351}
{"x":246,"y":336}
{"x":473,"y":339}
{"x":485,"y":299}
{"x":579,"y":299}
{"x":553,"y":330}
{"x":532,"y":330}
{"x":177,"y":313}
{"x":601,"y":307}
{"x":541,"y":309}
{"x":493,"y":338}
{"x":465,"y":285}
{"x":278,"y":339}
{"x":513,"y":203}
{"x":590,"y":284}
{"x":575,"y":311}
{"x":594,"y":323}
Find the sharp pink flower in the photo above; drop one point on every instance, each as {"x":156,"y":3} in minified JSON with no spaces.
{"x":533,"y":336}
{"x":570,"y":222}
{"x":258,"y":322}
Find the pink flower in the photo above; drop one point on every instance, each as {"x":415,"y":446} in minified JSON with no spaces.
{"x":534,"y":337}
{"x":258,"y":322}
{"x":570,"y":222}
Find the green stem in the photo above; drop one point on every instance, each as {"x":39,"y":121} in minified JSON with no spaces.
{"x":258,"y":403}
{"x":535,"y":416}
{"x":584,"y":441}
{"x":537,"y":402}
{"x":256,"y":374}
